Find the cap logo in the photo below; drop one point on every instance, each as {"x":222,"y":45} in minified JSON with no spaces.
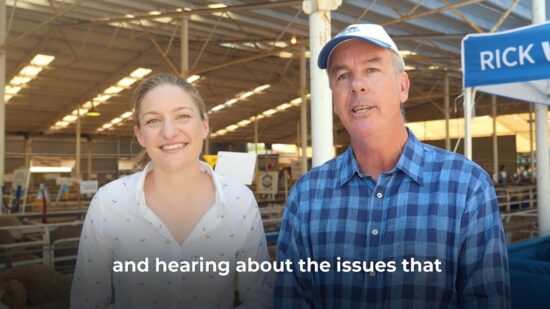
{"x":351,"y":30}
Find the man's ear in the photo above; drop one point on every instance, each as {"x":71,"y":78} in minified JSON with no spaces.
{"x":404,"y":85}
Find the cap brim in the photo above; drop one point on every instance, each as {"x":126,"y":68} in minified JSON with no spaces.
{"x":326,"y":51}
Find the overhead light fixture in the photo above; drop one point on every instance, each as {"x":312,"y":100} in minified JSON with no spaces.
{"x":41,"y":60}
{"x":28,"y":73}
{"x":11,"y":90}
{"x":217,"y":5}
{"x":92,"y":112}
{"x":239,"y":97}
{"x":246,"y":94}
{"x":243,"y":123}
{"x":296,"y":101}
{"x":117,"y":121}
{"x":230,"y":102}
{"x":62,"y":123}
{"x":293,"y":40}
{"x":50,"y":169}
{"x":405,"y":53}
{"x":232,"y":127}
{"x":217,"y":108}
{"x":261,"y":88}
{"x":126,"y":115}
{"x":279,"y":44}
{"x":193,"y":78}
{"x":285,"y":55}
{"x":283,"y":106}
{"x":70,"y":118}
{"x":267,"y":113}
{"x":90,"y":108}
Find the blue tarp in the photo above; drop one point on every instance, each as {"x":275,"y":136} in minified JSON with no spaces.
{"x":530,"y":273}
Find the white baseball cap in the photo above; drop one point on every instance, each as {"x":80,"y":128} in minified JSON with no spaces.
{"x":369,"y":32}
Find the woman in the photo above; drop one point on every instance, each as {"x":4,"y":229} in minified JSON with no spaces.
{"x":176,"y":212}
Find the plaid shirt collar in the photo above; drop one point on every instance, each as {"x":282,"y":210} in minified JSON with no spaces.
{"x":410,"y":162}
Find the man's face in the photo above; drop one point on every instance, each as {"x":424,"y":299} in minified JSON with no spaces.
{"x":366,"y":89}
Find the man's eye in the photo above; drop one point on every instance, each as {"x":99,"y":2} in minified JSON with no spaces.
{"x":342,"y":76}
{"x":372,"y":70}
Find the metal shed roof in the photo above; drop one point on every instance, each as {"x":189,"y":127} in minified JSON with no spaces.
{"x":234,"y":48}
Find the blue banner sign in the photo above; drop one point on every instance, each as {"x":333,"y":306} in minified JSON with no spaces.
{"x":517,"y":55}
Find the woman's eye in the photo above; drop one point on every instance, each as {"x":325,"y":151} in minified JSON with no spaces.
{"x":183,"y":116}
{"x":152,"y":121}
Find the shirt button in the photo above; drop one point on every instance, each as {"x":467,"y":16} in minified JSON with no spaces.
{"x":374,"y":232}
{"x":379,"y":195}
{"x":372,"y":273}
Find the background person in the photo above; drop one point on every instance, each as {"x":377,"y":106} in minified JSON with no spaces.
{"x":389,"y":197}
{"x":176,"y":209}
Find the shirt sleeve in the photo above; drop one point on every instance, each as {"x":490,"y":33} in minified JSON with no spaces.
{"x":483,"y":275}
{"x":255,"y":287}
{"x":292,"y":289}
{"x":91,"y":287}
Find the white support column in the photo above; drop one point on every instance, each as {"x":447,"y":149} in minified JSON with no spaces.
{"x":468,"y":103}
{"x":256,"y":169}
{"x":447,"y":113}
{"x":538,"y":8}
{"x":77,"y":146}
{"x":184,"y":45}
{"x":303,"y":108}
{"x":2,"y":87}
{"x":28,"y":151}
{"x":531,"y":142}
{"x":90,"y":148}
{"x":256,"y":135}
{"x":495,"y":136}
{"x":321,"y":99}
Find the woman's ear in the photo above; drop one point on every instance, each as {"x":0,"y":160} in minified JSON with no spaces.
{"x":137,"y":132}
{"x":206,"y":127}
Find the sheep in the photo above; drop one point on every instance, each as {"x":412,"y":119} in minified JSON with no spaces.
{"x":13,"y":235}
{"x":33,"y":285}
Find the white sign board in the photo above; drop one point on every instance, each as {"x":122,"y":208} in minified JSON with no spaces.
{"x":65,"y":180}
{"x":88,"y":186}
{"x":238,"y":166}
{"x":268,"y":182}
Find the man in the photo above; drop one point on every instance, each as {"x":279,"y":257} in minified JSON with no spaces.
{"x":419,"y":226}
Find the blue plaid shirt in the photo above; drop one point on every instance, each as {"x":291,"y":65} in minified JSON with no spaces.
{"x":433,"y":205}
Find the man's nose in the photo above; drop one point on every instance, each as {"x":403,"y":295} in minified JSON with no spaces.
{"x":359,"y":84}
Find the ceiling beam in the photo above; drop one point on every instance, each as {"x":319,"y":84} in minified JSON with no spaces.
{"x":202,"y":11}
{"x":44,"y":23}
{"x":114,"y":77}
{"x":238,"y":61}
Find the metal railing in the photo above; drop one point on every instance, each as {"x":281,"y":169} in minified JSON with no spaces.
{"x":36,"y":245}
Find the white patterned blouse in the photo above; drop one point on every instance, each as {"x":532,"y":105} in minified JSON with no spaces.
{"x":120,"y":229}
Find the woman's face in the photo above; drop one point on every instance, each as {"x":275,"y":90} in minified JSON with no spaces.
{"x":171,"y":129}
